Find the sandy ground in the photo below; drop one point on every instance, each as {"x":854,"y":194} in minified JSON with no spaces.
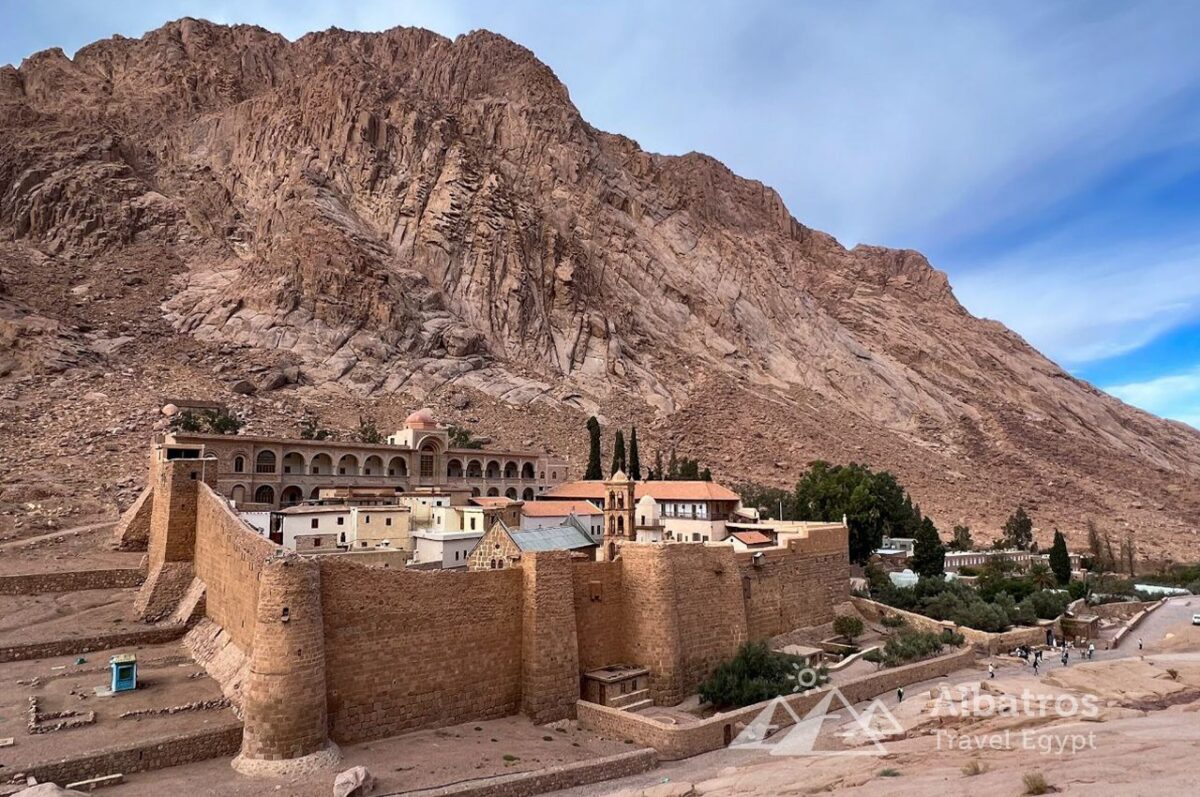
{"x":402,"y":763}
{"x":166,"y":677}
{"x":58,"y":615}
{"x":83,"y":547}
{"x":1140,"y":739}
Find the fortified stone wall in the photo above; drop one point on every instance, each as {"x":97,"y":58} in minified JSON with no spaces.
{"x":410,"y":649}
{"x":599,"y":614}
{"x":229,"y":560}
{"x":794,"y":587}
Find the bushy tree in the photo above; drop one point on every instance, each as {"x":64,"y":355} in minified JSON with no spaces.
{"x":756,"y":673}
{"x":635,"y":461}
{"x":368,"y":432}
{"x":462,"y":438}
{"x":618,"y":460}
{"x":961,"y":539}
{"x":594,"y":470}
{"x":768,"y":500}
{"x":874,"y":504}
{"x":929,"y":555}
{"x":1018,"y":530}
{"x":310,"y":430}
{"x":209,"y":421}
{"x":847,"y":625}
{"x":1042,"y":576}
{"x":1060,"y":558}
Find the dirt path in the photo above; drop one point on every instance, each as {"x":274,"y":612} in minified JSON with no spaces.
{"x":21,"y":543}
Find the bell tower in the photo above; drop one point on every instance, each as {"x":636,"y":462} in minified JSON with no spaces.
{"x":619,"y":507}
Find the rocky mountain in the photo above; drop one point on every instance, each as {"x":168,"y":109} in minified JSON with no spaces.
{"x":397,"y":218}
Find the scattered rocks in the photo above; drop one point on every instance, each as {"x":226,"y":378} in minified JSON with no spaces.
{"x":244,"y":387}
{"x":353,"y":782}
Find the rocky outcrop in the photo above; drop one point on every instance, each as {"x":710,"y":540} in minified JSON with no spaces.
{"x":400,"y":213}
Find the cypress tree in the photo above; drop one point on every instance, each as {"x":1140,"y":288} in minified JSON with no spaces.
{"x":618,"y":462}
{"x":1060,"y":560}
{"x":594,"y":471}
{"x":635,"y":462}
{"x":929,"y":555}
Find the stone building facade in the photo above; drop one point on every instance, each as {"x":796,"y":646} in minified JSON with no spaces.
{"x":276,"y":472}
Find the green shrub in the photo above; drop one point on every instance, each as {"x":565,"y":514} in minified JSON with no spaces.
{"x":207,"y":421}
{"x":874,"y":655}
{"x":756,"y":673}
{"x":910,"y":645}
{"x":892,"y":621}
{"x":847,"y":625}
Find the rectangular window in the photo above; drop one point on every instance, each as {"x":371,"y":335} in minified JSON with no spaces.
{"x":312,"y":524}
{"x":387,"y":521}
{"x":426,"y":467}
{"x":316,"y":542}
{"x":366,"y":518}
{"x":341,"y":521}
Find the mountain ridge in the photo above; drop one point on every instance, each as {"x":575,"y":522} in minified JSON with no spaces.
{"x":399,"y":214}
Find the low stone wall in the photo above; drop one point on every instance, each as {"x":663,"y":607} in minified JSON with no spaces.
{"x":158,"y":754}
{"x":1112,"y":611}
{"x":683,"y":741}
{"x":72,"y":645}
{"x":565,"y":776}
{"x":1136,"y":620}
{"x":981,"y":640}
{"x":72,"y":581}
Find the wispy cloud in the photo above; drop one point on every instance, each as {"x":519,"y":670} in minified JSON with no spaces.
{"x":1176,"y":396}
{"x":1078,"y":306}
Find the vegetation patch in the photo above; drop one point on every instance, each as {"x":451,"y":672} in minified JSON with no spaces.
{"x":757,"y":673}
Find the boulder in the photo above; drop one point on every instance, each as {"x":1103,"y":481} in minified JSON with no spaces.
{"x":170,"y":410}
{"x":353,"y":782}
{"x":243,"y":386}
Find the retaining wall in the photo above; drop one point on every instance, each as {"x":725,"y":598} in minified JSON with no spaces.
{"x":683,"y":741}
{"x":72,"y":581}
{"x":565,"y":776}
{"x":86,"y":644}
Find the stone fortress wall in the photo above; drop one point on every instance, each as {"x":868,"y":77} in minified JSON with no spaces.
{"x":341,"y":652}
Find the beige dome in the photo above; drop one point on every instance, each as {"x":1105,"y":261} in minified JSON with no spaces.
{"x":422,"y":417}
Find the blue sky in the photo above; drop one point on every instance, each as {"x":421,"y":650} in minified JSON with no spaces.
{"x":1046,"y":155}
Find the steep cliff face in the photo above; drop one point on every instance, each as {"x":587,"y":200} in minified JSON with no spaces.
{"x":401,"y":215}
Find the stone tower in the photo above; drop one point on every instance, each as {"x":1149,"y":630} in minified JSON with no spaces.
{"x":619,"y":505}
{"x":283,"y":700}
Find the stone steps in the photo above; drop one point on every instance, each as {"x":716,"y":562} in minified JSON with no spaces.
{"x":624,"y":701}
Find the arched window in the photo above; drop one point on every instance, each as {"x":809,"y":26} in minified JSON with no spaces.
{"x":510,"y":470}
{"x":321,"y":464}
{"x":427,"y":461}
{"x":511,"y":492}
{"x":474,"y":469}
{"x":475,"y":492}
{"x":373,"y":466}
{"x":293,"y":462}
{"x":620,"y":524}
{"x":398,"y":466}
{"x":493,"y":492}
{"x":527,"y":470}
{"x":454,"y":469}
{"x":264,"y":495}
{"x":239,"y":464}
{"x":239,"y":494}
{"x":527,"y":495}
{"x":348,"y":465}
{"x":265,"y":462}
{"x":291,"y":496}
{"x":493,"y":469}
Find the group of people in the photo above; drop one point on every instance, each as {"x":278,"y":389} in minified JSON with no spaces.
{"x":1034,"y":657}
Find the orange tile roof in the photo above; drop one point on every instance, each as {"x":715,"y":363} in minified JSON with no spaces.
{"x":493,"y":501}
{"x":658,"y":490}
{"x":751,"y":537}
{"x":556,"y":508}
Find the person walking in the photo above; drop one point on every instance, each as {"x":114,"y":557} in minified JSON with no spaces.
{"x":1065,"y":656}
{"x":1139,"y":643}
{"x":900,"y":694}
{"x":991,"y":671}
{"x":1091,"y":650}
{"x":1035,"y":665}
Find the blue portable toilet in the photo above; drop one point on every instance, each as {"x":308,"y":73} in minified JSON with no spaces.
{"x":124,"y":672}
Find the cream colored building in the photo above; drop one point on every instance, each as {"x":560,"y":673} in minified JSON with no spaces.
{"x":345,"y":527}
{"x":270,"y":472}
{"x":665,"y":511}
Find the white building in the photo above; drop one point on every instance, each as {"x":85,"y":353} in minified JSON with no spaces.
{"x":448,"y":548}
{"x":677,"y":511}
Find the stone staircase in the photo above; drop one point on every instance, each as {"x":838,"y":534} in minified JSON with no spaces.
{"x":634,"y":701}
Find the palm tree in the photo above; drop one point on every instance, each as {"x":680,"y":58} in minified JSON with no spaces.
{"x":1042,"y":576}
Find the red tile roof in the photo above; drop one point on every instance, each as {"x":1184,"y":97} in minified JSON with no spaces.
{"x":751,"y":537}
{"x":557,"y":508}
{"x":658,"y":490}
